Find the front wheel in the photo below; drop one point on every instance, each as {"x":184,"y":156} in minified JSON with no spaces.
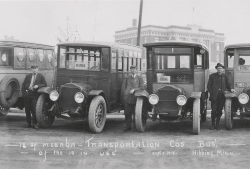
{"x":4,"y":111}
{"x":228,"y":114}
{"x":140,"y":115}
{"x":97,"y":114}
{"x":196,"y":116}
{"x":44,"y":119}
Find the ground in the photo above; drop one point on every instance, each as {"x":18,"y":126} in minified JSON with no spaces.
{"x":163,"y":145}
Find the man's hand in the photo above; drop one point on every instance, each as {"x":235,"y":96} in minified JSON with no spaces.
{"x":232,"y":90}
{"x":31,"y":88}
{"x":36,"y":86}
{"x":132,"y":91}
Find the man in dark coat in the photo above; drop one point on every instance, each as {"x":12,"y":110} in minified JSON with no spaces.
{"x":31,"y":84}
{"x":217,"y":84}
{"x":132,"y":84}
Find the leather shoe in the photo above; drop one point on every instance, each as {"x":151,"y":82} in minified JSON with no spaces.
{"x":28,"y":126}
{"x":35,"y":126}
{"x":127,"y":129}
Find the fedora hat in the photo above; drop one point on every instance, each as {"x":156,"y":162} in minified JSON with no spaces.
{"x":219,"y":65}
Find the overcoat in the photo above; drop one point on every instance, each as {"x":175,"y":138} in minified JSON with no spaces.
{"x":213,"y":85}
{"x":136,"y":83}
{"x":39,"y":81}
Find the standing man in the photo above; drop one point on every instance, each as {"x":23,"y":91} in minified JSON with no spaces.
{"x":133,"y":83}
{"x":31,"y":84}
{"x":217,"y":84}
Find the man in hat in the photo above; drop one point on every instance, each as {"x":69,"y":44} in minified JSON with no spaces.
{"x":32,"y":82}
{"x":132,"y":84}
{"x":217,"y":84}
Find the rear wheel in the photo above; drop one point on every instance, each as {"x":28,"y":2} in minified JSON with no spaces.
{"x":196,"y":116}
{"x":228,"y":114}
{"x":42,"y":106}
{"x":140,"y":115}
{"x":97,"y":114}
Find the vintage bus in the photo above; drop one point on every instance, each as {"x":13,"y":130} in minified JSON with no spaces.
{"x":88,"y":82}
{"x":15,"y":60}
{"x":237,"y":68}
{"x":177,"y":75}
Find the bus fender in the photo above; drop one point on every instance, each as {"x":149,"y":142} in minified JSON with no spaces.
{"x":95,"y":92}
{"x":141,"y":93}
{"x":229,"y":95}
{"x":196,"y":95}
{"x":45,"y":90}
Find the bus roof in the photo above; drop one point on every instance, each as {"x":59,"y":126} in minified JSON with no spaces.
{"x":239,"y":45}
{"x":175,"y":43}
{"x":99,"y":44}
{"x":8,"y":43}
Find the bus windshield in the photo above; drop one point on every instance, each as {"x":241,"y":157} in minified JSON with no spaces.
{"x":83,"y":58}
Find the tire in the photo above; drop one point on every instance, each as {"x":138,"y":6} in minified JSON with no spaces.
{"x":140,"y":115}
{"x":43,"y":119}
{"x":4,"y":111}
{"x":9,"y":83}
{"x":228,"y":114}
{"x":97,"y":114}
{"x":196,"y":117}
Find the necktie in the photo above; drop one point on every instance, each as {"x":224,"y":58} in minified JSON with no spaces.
{"x":33,"y":80}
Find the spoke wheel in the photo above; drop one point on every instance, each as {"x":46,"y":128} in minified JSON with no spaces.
{"x":97,"y":114}
{"x":140,"y":115}
{"x":4,"y":111}
{"x":43,"y":118}
{"x":196,"y":116}
{"x":228,"y":114}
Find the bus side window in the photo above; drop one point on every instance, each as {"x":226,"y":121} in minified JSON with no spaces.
{"x":130,"y":59}
{"x":139,"y":61}
{"x":105,"y":58}
{"x":49,"y":59}
{"x":5,"y":56}
{"x":120,"y":59}
{"x":198,"y":61}
{"x":125,"y":61}
{"x":40,"y":58}
{"x":30,"y":57}
{"x":19,"y":58}
{"x":113,"y":60}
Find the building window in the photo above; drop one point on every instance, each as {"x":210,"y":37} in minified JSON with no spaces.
{"x":156,"y":39}
{"x":194,"y":40}
{"x":145,"y":39}
{"x":182,"y":39}
{"x":132,"y":41}
{"x":217,"y":46}
{"x":206,"y":42}
{"x":173,"y":38}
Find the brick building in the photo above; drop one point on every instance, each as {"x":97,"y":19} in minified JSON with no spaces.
{"x":192,"y":33}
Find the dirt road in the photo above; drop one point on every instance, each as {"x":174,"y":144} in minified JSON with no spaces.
{"x":164,"y":145}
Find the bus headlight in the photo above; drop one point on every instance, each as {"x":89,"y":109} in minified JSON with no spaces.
{"x":243,"y":98}
{"x":181,"y":100}
{"x":153,"y":99}
{"x":54,"y":95}
{"x":79,"y":97}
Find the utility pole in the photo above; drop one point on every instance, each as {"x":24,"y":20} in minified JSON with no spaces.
{"x":139,"y":25}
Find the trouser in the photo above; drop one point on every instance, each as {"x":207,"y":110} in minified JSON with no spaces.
{"x":217,"y":106}
{"x":30,"y":108}
{"x":129,"y":111}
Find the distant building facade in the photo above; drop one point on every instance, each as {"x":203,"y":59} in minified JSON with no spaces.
{"x":191,"y":33}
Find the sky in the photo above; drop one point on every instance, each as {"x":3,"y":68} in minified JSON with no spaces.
{"x":97,"y":20}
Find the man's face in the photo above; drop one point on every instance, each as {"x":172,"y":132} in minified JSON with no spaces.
{"x":34,"y":70}
{"x":220,"y":70}
{"x":133,"y":71}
